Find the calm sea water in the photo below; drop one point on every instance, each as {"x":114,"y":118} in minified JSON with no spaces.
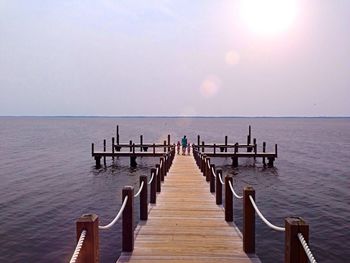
{"x":48,"y":180}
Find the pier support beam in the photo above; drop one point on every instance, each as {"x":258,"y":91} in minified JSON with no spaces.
{"x":235,"y":161}
{"x":228,"y":199}
{"x":271,"y":161}
{"x":248,"y":221}
{"x":133,"y":162}
{"x":98,"y":162}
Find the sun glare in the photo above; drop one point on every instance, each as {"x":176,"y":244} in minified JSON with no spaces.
{"x":268,"y":17}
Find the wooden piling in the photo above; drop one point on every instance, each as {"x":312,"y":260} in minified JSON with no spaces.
{"x":113,"y":147}
{"x":128,"y":220}
{"x":202,"y":146}
{"x":255,"y":148}
{"x":162,"y":169}
{"x":89,"y":252}
{"x":154,"y":148}
{"x":214,"y":148}
{"x":228,"y":199}
{"x":208,"y":171}
{"x":218,"y":196}
{"x":144,"y":198}
{"x":164,"y":146}
{"x":141,"y":142}
{"x":169,"y":142}
{"x":198,"y":141}
{"x":158,"y":177}
{"x":226,"y":140}
{"x":104,"y":150}
{"x":153,"y":195}
{"x":117,"y":134}
{"x":212,"y":178}
{"x":92,"y":149}
{"x":294,"y":251}
{"x":130,"y":143}
{"x":98,"y":162}
{"x":264,"y":150}
{"x":248,"y":221}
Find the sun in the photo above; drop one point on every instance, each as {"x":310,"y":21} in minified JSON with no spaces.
{"x":268,"y":17}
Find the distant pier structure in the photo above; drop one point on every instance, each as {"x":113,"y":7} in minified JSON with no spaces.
{"x":249,"y":149}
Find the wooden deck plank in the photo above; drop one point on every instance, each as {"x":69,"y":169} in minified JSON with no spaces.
{"x":186,"y":225}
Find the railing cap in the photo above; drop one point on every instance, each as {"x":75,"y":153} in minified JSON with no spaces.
{"x":88,"y":218}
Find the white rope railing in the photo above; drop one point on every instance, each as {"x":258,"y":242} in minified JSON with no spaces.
{"x":117,"y":217}
{"x":306,"y":248}
{"x":150,"y":181}
{"x":78,"y":247}
{"x":139,"y":191}
{"x":233,"y":191}
{"x":208,"y":164}
{"x":222,"y":182}
{"x":277,"y":228}
{"x":213,"y":171}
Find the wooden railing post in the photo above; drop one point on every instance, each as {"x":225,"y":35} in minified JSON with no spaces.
{"x":154,"y":148}
{"x":141,"y":142}
{"x":248,"y":220}
{"x":130,"y":143}
{"x":89,"y":252}
{"x":153,"y":195}
{"x":264,"y":150}
{"x":294,"y":252}
{"x":202,"y":146}
{"x":212,"y":178}
{"x":113,"y":148}
{"x":168,"y":142}
{"x":128,"y":220}
{"x":144,"y":198}
{"x":104,"y":150}
{"x":228,"y":199}
{"x":162,"y":169}
{"x":218,"y":187}
{"x":226,"y":143}
{"x":208,"y":172}
{"x":157,"y":178}
{"x":92,"y":149}
{"x":164,"y":146}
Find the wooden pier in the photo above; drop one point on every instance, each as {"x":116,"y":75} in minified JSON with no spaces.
{"x":186,"y":225}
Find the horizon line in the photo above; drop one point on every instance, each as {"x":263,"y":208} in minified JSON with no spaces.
{"x":168,"y":116}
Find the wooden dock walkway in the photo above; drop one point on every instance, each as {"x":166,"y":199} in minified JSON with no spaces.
{"x":186,"y":225}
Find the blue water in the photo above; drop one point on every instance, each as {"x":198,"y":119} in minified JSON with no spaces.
{"x":48,"y":180}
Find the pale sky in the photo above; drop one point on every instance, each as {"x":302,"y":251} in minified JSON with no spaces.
{"x":167,"y":57}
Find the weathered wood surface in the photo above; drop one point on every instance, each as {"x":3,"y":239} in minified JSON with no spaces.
{"x":242,"y":154}
{"x":186,"y":225}
{"x":127,"y":154}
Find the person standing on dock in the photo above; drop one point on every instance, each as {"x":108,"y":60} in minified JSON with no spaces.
{"x":184,"y":144}
{"x":178,"y":147}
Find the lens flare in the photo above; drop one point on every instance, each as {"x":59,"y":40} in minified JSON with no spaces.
{"x":210,"y":86}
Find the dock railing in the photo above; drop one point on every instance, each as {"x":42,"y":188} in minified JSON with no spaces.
{"x":296,"y":229}
{"x":87,"y":226}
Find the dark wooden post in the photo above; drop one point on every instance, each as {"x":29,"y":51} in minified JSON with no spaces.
{"x":141,"y":142}
{"x":208,"y":171}
{"x":153,"y":196}
{"x":276,"y":150}
{"x":248,"y":221}
{"x":168,"y":142}
{"x":158,"y":178}
{"x":144,"y":198}
{"x":128,"y":220}
{"x":202,"y":146}
{"x":255,"y":148}
{"x":218,"y":187}
{"x":133,"y":148}
{"x":113,"y":148}
{"x":214,"y":148}
{"x":89,"y":252}
{"x":294,"y":252}
{"x":92,"y":149}
{"x":198,"y":141}
{"x":164,"y":146}
{"x":212,"y":178}
{"x":162,"y":169}
{"x":264,"y":150}
{"x":228,"y":199}
{"x":117,"y":134}
{"x":250,"y":133}
{"x":226,"y":143}
{"x":104,"y":150}
{"x":130,"y":143}
{"x":154,"y":148}
{"x":98,"y":162}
